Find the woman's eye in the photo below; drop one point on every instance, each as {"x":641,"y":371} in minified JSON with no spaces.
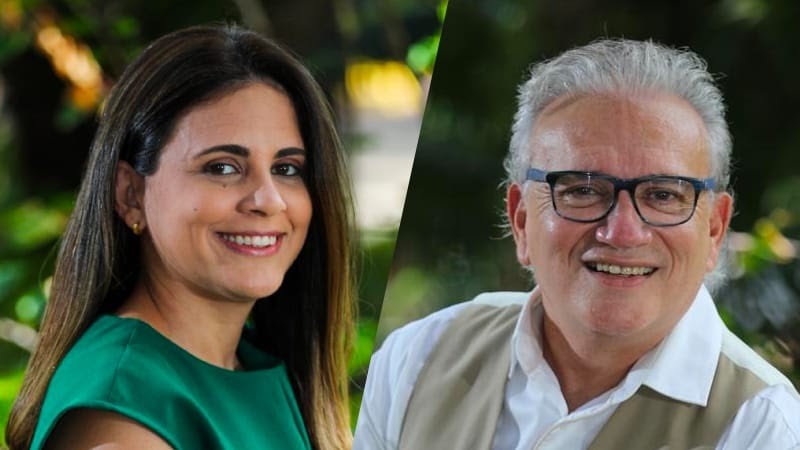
{"x":221,"y":169}
{"x":287,"y":170}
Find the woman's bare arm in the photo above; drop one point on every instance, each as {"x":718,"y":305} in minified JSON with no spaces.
{"x":102,"y":430}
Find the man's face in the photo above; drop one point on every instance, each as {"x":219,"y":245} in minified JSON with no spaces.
{"x":626,"y":137}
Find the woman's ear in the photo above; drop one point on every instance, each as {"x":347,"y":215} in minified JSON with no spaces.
{"x":129,"y":197}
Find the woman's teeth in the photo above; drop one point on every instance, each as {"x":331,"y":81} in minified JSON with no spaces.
{"x":622,"y":270}
{"x":252,"y":241}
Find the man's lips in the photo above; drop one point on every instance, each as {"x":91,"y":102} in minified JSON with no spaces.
{"x":623,"y":270}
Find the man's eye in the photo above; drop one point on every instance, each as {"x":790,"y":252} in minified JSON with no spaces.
{"x":287,"y":170}
{"x":581,"y":191}
{"x":221,"y":169}
{"x":664,"y":196}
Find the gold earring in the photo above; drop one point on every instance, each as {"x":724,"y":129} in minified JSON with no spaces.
{"x":136,"y":230}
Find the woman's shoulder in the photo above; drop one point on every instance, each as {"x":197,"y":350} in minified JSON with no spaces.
{"x":124,"y":366}
{"x":105,"y":353}
{"x":105,"y":370}
{"x":96,"y":357}
{"x":95,"y":428}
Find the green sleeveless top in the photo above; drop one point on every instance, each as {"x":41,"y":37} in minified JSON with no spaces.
{"x":125,"y":366}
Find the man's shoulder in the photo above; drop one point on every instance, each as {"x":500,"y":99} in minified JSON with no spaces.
{"x":396,"y":365}
{"x":427,"y":330}
{"x":501,"y":299}
{"x":744,"y":357}
{"x":771,"y":418}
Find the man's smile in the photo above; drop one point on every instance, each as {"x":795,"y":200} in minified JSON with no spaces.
{"x":621,"y":270}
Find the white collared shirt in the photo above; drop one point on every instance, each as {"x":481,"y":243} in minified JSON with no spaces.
{"x":535,"y":414}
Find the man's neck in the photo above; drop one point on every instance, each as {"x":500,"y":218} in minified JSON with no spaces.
{"x":586,"y":368}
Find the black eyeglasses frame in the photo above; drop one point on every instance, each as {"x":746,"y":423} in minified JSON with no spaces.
{"x":620,"y":184}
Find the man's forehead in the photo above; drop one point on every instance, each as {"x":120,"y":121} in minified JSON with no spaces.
{"x":614,"y":124}
{"x":616,"y":101}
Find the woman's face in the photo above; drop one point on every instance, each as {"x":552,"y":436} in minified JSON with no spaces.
{"x":227,"y":211}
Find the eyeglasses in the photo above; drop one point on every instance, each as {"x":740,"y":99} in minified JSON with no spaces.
{"x":660,"y":200}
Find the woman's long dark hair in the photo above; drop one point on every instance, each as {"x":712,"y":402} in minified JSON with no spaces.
{"x":307,"y":322}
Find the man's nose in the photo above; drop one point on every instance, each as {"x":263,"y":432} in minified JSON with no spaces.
{"x":623,"y":227}
{"x":264,"y":197}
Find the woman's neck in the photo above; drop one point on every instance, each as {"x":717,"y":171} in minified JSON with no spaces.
{"x":208,"y":329}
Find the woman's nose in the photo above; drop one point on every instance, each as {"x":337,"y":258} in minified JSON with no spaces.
{"x":264,"y":197}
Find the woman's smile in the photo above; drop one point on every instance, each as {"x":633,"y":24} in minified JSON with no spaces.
{"x":255,"y":244}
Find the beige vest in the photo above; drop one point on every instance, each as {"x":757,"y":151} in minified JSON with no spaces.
{"x":459,"y":394}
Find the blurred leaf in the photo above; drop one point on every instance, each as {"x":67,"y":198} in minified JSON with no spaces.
{"x":79,"y":25}
{"x":31,"y":224}
{"x":730,"y":321}
{"x":404,"y":299}
{"x":355,"y":406}
{"x":12,"y":273}
{"x":30,"y":306}
{"x":12,"y":357}
{"x":758,"y":257}
{"x":9,"y":387}
{"x":11,"y":44}
{"x":441,"y":11}
{"x":422,"y":55}
{"x":362,"y":350}
{"x":376,"y":260}
{"x":70,"y":116}
{"x":126,"y":27}
{"x":783,"y":197}
{"x":747,"y":11}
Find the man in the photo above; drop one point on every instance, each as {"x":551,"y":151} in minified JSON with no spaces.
{"x":617,"y":201}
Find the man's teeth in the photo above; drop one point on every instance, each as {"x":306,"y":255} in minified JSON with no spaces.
{"x":623,"y":270}
{"x":252,"y":241}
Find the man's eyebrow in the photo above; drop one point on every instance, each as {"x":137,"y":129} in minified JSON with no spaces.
{"x":234,"y":149}
{"x":289,"y":151}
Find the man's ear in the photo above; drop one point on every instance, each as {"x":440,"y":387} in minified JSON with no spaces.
{"x":129,"y":196}
{"x":719,"y":219}
{"x":517,"y":216}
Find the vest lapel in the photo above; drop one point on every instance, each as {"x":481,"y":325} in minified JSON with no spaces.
{"x":650,"y":420}
{"x":459,"y":393}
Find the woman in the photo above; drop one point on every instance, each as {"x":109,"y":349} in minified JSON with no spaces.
{"x":202,"y":293}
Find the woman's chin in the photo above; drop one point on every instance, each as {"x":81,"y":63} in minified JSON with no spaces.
{"x":252,"y":293}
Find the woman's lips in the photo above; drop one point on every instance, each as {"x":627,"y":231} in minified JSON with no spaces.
{"x":252,"y":243}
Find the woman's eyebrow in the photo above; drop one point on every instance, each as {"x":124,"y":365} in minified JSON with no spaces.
{"x":238,"y":150}
{"x":233,"y":149}
{"x":289,"y":151}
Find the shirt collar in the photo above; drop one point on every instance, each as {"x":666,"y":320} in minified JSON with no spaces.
{"x":689,"y":353}
{"x":526,"y":342}
{"x":682,"y":366}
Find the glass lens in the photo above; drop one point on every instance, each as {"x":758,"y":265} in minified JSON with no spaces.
{"x":582,"y":197}
{"x":665,"y":200}
{"x":659,"y":201}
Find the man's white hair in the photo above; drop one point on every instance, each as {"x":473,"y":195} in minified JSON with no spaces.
{"x":624,"y":66}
